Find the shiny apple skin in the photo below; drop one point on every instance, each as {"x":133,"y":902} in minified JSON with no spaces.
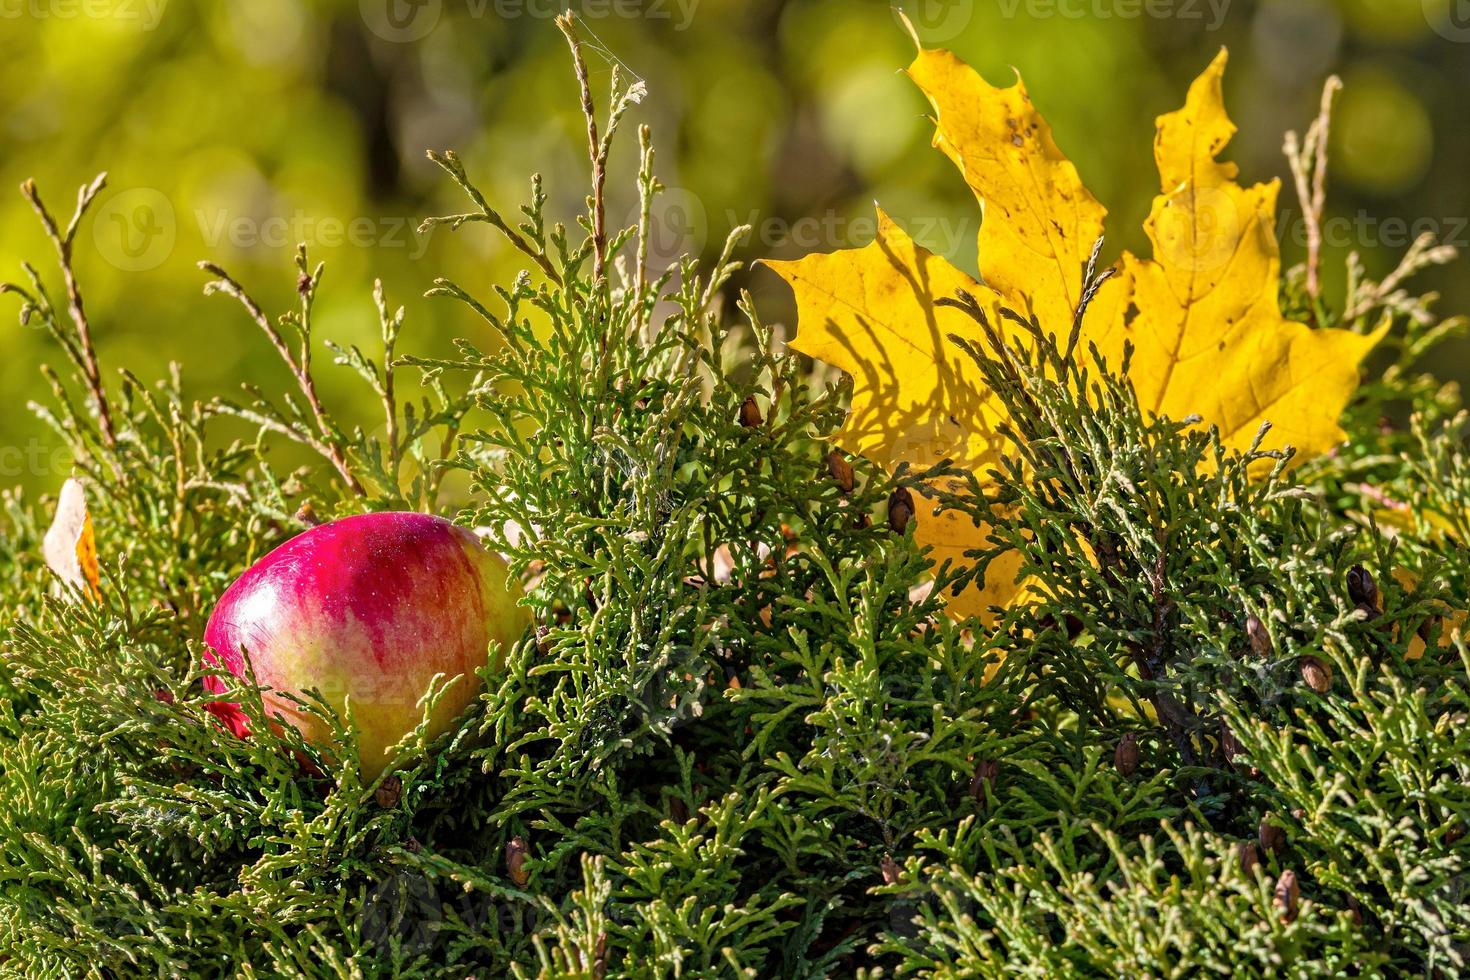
{"x":367,"y":608}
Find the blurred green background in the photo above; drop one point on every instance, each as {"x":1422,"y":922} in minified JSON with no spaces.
{"x":232,"y":129}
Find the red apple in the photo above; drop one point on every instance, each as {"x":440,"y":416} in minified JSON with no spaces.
{"x":366,"y":608}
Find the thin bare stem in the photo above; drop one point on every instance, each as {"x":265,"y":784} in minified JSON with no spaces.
{"x":1319,"y":180}
{"x":647,"y":186}
{"x":62,"y":241}
{"x":1308,"y":159}
{"x":567,"y":23}
{"x":390,"y":325}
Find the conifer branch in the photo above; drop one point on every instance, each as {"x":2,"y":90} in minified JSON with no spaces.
{"x":324,"y":440}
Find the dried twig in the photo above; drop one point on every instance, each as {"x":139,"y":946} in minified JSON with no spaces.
{"x":1308,"y":160}
{"x":83,"y":351}
{"x":647,"y":187}
{"x":567,"y":23}
{"x":391,"y":325}
{"x":1364,"y":295}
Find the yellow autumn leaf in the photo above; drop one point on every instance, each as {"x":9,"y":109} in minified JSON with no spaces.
{"x":1202,"y":314}
{"x":1452,"y":620}
{"x":1040,"y":223}
{"x":923,"y":401}
{"x":70,"y":545}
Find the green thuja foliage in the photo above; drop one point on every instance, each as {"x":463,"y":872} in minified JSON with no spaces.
{"x":1223,"y":732}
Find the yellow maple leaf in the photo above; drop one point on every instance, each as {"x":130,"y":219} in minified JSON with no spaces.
{"x":922,"y":400}
{"x":1202,"y":314}
{"x":1040,"y":223}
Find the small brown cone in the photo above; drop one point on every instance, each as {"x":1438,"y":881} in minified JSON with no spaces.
{"x":515,"y":861}
{"x":1229,"y":747}
{"x":389,"y":792}
{"x":1316,"y":674}
{"x":306,"y":514}
{"x":1288,"y":895}
{"x":987,"y":771}
{"x":1125,"y":756}
{"x":1249,"y":858}
{"x":1260,"y":639}
{"x":890,"y":869}
{"x":900,"y":510}
{"x":841,"y":470}
{"x":1271,"y":837}
{"x":599,"y":957}
{"x":750,"y":413}
{"x":1362,"y":590}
